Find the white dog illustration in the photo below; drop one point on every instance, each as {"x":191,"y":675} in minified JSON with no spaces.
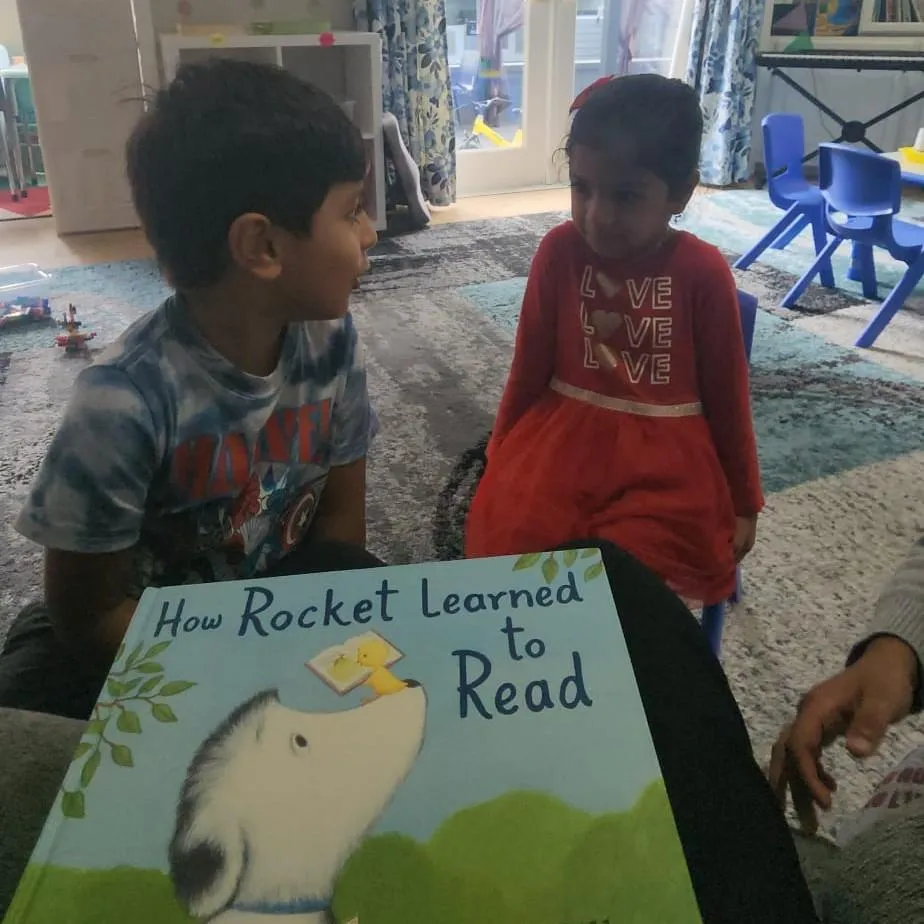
{"x":276,"y":800}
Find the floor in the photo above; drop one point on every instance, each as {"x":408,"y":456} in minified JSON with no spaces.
{"x":35,"y":241}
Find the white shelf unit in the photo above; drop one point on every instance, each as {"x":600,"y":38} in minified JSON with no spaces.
{"x":349,"y":68}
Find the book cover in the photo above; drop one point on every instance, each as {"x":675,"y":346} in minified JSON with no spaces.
{"x":461,"y":743}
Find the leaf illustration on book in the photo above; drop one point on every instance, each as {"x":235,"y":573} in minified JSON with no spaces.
{"x":150,"y":667}
{"x":570,"y":557}
{"x":590,"y":553}
{"x":129,"y":722}
{"x":139,"y":680}
{"x":122,"y":755}
{"x":550,"y":569}
{"x":339,"y":666}
{"x":527,"y":561}
{"x":175,"y":687}
{"x":90,"y":768}
{"x":134,"y":656}
{"x":163,"y":713}
{"x":594,"y":571}
{"x":73,"y":804}
{"x":96,"y":726}
{"x":150,"y":684}
{"x":155,"y":650}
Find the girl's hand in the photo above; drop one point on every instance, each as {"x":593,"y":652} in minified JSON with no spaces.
{"x":745,"y":534}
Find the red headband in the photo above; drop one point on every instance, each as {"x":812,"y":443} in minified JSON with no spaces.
{"x":581,"y":98}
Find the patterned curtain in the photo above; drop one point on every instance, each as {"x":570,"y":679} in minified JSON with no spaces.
{"x":416,"y":84}
{"x":723,"y":70}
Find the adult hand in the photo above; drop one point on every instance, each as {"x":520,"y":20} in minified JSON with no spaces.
{"x":745,"y":535}
{"x":859,"y":703}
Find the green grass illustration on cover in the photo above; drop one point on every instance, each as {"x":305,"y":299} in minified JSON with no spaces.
{"x":455,"y":743}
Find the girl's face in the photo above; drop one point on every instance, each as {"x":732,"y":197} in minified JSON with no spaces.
{"x":621,"y":209}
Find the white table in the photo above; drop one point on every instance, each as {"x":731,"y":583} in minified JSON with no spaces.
{"x":912,"y":173}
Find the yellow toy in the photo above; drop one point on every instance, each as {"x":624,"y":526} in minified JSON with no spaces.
{"x":374,"y":654}
{"x":482,"y":128}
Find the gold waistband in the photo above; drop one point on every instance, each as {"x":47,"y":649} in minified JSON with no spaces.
{"x":692,"y":409}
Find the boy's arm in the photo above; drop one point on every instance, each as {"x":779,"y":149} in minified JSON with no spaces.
{"x":534,"y":353}
{"x":341,"y":513}
{"x":722,"y":372}
{"x":86,"y":599}
{"x":87,"y":505}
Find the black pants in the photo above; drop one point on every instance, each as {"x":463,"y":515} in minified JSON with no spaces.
{"x":741,"y":856}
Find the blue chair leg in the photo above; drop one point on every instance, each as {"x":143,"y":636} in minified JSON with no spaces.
{"x":794,"y":230}
{"x":820,"y":234}
{"x":794,"y":294}
{"x":866,"y":268}
{"x":892,"y":304}
{"x":745,"y":260}
{"x":713,"y":620}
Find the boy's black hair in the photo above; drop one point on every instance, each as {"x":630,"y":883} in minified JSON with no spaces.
{"x":229,"y":137}
{"x":660,"y":117}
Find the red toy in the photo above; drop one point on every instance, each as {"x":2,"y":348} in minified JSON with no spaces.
{"x":73,"y":340}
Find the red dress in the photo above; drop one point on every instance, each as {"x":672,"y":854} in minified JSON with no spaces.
{"x":626,"y":415}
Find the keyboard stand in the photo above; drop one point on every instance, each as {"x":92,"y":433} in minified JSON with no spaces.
{"x":852,"y":131}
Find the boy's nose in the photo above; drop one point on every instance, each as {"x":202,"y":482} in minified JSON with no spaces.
{"x":370,"y":238}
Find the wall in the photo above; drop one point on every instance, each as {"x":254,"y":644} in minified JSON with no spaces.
{"x":223,"y":11}
{"x":10,"y":36}
{"x":852,"y":95}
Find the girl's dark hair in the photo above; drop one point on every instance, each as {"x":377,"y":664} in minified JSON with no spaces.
{"x":660,"y":117}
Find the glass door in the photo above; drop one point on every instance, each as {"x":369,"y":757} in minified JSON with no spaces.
{"x":616,"y":37}
{"x":498,"y":60}
{"x":516,"y":65}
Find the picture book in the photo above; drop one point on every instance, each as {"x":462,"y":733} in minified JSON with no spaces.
{"x":450,"y":743}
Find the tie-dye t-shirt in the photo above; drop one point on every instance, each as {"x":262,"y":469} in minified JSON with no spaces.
{"x":208,"y":472}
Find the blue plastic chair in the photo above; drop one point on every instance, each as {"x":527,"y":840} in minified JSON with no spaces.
{"x":784,"y":150}
{"x":863,"y":194}
{"x":714,"y":614}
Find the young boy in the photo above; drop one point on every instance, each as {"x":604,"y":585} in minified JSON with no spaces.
{"x":231,"y":425}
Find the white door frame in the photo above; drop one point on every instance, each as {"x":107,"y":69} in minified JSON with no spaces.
{"x":148,"y":55}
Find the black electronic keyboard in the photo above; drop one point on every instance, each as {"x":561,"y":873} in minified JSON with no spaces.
{"x":839,"y":60}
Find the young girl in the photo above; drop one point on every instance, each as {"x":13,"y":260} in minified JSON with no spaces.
{"x":626,"y":414}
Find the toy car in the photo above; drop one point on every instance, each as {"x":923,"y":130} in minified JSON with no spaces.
{"x":24,"y":309}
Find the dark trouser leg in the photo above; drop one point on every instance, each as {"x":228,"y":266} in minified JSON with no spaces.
{"x":40,"y":673}
{"x":738,"y":847}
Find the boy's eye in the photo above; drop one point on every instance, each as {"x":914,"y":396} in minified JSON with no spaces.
{"x":579,"y":188}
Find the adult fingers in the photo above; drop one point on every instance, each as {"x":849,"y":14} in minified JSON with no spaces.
{"x":804,"y":805}
{"x":822,"y":716}
{"x":869,"y":724}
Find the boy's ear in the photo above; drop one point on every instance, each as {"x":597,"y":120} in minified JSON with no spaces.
{"x":251,"y":241}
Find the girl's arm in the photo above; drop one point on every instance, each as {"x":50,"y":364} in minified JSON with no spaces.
{"x":534,"y":353}
{"x":722,"y":370}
